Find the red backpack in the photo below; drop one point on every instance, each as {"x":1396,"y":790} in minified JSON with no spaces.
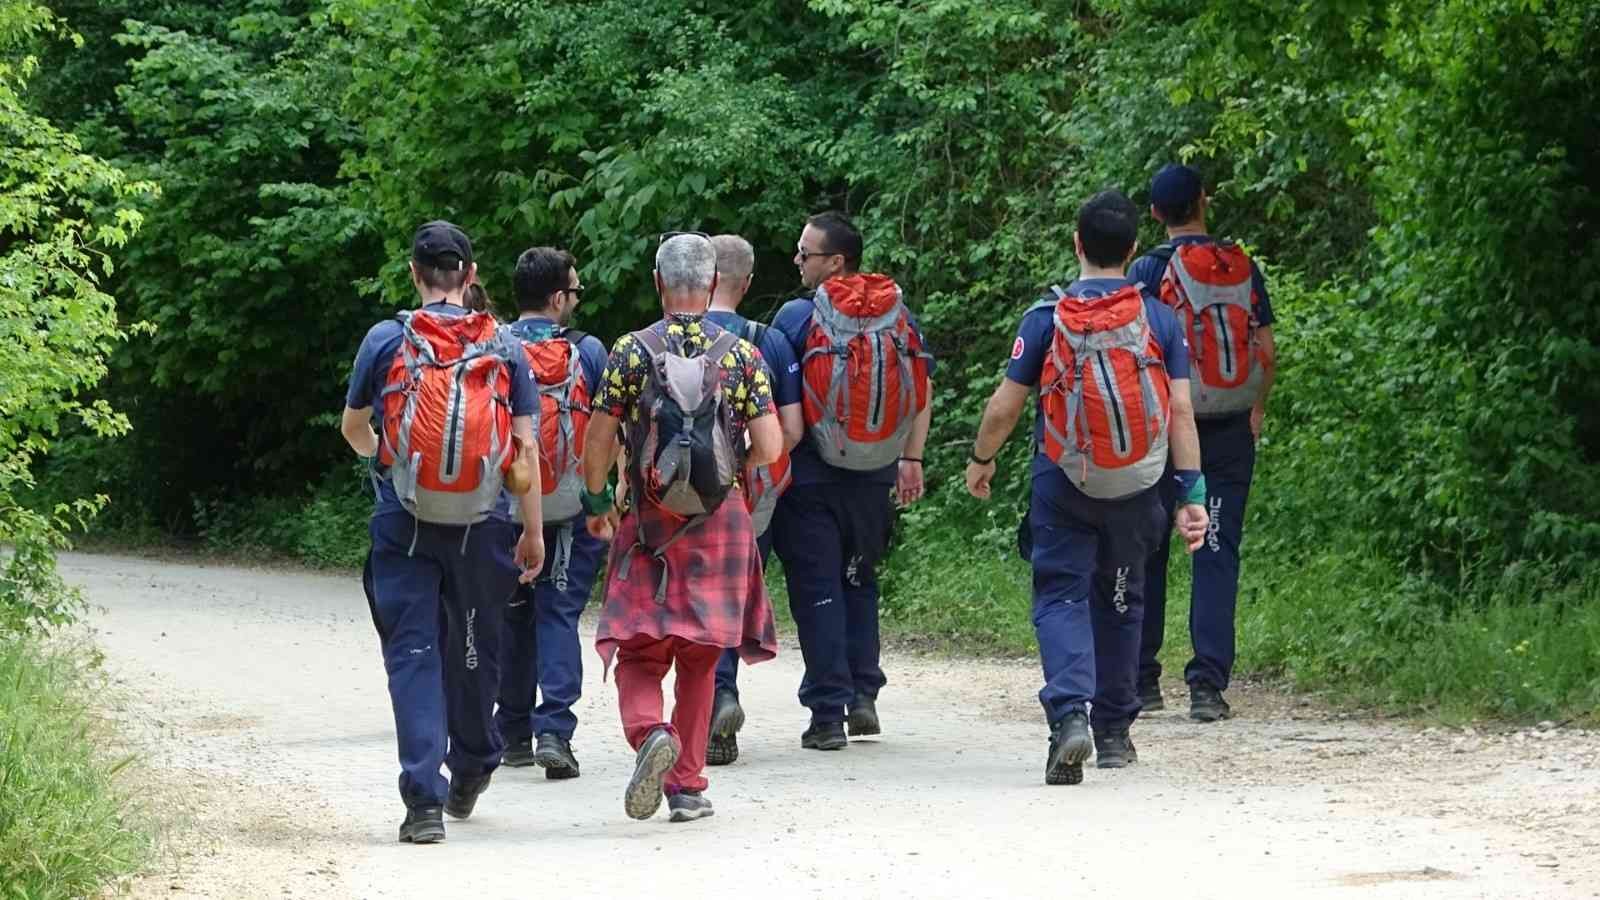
{"x":1104,"y":394}
{"x":864,"y":372}
{"x":447,"y":416}
{"x":1210,"y":287}
{"x":564,"y":410}
{"x":763,"y":485}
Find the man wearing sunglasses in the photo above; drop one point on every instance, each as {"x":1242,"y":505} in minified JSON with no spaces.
{"x":543,"y":674}
{"x":832,"y":526}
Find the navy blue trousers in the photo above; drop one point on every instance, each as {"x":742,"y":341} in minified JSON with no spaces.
{"x":1228,"y":458}
{"x":438,"y":608}
{"x":728,"y":663}
{"x":1088,"y":561}
{"x":542,"y":673}
{"x":830,"y":538}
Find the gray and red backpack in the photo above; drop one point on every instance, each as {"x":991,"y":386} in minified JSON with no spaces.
{"x":864,"y":372}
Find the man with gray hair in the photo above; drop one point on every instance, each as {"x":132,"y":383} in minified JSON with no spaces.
{"x":736,"y":262}
{"x":685,"y":581}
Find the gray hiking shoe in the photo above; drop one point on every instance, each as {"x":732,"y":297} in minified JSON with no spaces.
{"x":555,"y":757}
{"x":864,"y":717}
{"x":686,"y":806}
{"x":1206,"y":703}
{"x":727,"y":717}
{"x":1070,"y":745}
{"x":1150,"y":699}
{"x":656,"y":755}
{"x":1113,"y":749}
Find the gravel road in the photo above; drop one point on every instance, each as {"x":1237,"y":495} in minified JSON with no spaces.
{"x":259,"y":697}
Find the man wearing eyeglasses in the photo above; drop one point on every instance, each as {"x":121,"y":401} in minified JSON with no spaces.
{"x":543,"y":674}
{"x":832,"y":526}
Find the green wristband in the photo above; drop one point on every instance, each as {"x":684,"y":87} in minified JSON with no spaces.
{"x":1197,"y":494}
{"x":598,"y":504}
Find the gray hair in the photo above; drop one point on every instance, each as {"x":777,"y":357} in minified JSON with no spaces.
{"x":686,"y":264}
{"x":736,"y":259}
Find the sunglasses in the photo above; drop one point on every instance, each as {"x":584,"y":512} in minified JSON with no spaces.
{"x":669,"y":235}
{"x":807,"y":254}
{"x":574,"y":291}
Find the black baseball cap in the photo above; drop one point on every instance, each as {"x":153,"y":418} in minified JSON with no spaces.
{"x":441,"y":245}
{"x":1175,"y":186}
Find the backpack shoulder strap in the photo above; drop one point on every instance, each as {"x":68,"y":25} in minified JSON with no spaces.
{"x":1163,"y":251}
{"x":654,"y":344}
{"x":574,"y":336}
{"x":755,"y":332}
{"x":724,"y":343}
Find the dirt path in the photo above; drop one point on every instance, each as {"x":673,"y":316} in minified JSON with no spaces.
{"x":262,"y":695}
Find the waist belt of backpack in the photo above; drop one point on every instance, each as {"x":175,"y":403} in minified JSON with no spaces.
{"x":659,"y":554}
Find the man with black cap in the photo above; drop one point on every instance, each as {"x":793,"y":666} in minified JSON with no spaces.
{"x":1219,"y":294}
{"x":446,"y":395}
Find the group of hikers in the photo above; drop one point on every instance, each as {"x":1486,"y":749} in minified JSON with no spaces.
{"x":493,"y":447}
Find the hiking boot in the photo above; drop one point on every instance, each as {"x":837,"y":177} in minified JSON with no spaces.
{"x":1070,"y":745}
{"x":1150,"y":699}
{"x":686,"y":806}
{"x":824,"y":736}
{"x":656,"y":755}
{"x":518,"y":755}
{"x":727,"y":717}
{"x":463,"y":795}
{"x":423,"y":825}
{"x":1113,"y":749}
{"x":864,"y":717}
{"x":1206,"y":703}
{"x":555,"y":757}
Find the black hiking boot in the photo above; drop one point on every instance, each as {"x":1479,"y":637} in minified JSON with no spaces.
{"x":423,"y":825}
{"x":1070,"y":745}
{"x":463,"y":795}
{"x":1113,"y":749}
{"x":1150,"y":699}
{"x":656,"y":755}
{"x":555,"y":757}
{"x":518,"y":755}
{"x":824,"y":736}
{"x":686,"y":806}
{"x":727,"y":717}
{"x":864,"y":717}
{"x":1206,"y":703}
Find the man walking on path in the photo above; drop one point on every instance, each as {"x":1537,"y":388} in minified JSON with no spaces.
{"x":736,"y":261}
{"x":867,"y":402}
{"x":444,"y":554}
{"x":1111,"y":370}
{"x":1220,"y":293}
{"x":543,"y":656}
{"x":685,"y":582}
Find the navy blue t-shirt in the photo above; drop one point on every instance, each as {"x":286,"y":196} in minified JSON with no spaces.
{"x":371,"y":373}
{"x":779,"y":357}
{"x":1037,"y":331}
{"x":793,"y":321}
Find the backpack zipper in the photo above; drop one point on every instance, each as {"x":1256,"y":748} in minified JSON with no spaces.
{"x":454,"y":420}
{"x":1113,"y":401}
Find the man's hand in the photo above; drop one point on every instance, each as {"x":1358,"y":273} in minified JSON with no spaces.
{"x":1258,"y":413}
{"x":1192,"y":523}
{"x":978,"y":477}
{"x":604,"y":526}
{"x":908,"y":487}
{"x":529,"y":554}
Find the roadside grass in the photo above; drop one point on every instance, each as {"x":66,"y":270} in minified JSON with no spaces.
{"x":1522,"y":644}
{"x":68,"y":824}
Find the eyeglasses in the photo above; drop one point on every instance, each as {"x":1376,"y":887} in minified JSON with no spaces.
{"x":669,"y":235}
{"x":574,"y":291}
{"x":805,"y":254}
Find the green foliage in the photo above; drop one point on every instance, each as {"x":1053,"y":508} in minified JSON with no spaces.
{"x":64,"y":808}
{"x":323,"y":526}
{"x":60,"y":210}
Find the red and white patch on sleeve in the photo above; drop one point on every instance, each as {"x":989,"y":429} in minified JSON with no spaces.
{"x":1017,"y":348}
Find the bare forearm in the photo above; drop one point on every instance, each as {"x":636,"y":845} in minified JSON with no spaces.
{"x":1000,"y":417}
{"x":919,"y":429}
{"x":599,"y":451}
{"x":531,"y":502}
{"x":1185,"y":441}
{"x":356,"y":426}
